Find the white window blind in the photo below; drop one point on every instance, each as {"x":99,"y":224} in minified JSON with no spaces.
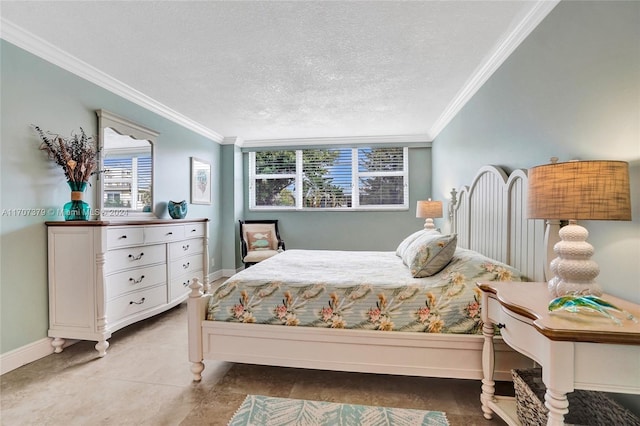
{"x":381,"y":177}
{"x":127,"y":182}
{"x":332,"y":178}
{"x":274,"y":179}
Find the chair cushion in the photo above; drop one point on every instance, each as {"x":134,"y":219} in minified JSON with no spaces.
{"x":259,"y":255}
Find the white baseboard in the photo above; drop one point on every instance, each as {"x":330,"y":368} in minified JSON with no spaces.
{"x":24,"y":355}
{"x":230,"y":272}
{"x":16,"y":358}
{"x":216,"y":275}
{"x":223,"y":273}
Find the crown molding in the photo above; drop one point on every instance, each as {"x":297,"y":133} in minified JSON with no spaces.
{"x":50,"y":53}
{"x":493,"y":61}
{"x":414,"y":140}
{"x":233,"y":140}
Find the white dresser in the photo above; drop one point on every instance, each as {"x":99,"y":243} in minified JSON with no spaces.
{"x":106,"y":275}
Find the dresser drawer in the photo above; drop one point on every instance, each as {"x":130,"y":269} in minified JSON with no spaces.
{"x":180,"y":286}
{"x":138,"y":301}
{"x":515,"y":332}
{"x":163,"y":234}
{"x":124,"y":236}
{"x":185,"y":248}
{"x":135,"y":257}
{"x":195,"y":230}
{"x":135,"y":279}
{"x":185,"y":265}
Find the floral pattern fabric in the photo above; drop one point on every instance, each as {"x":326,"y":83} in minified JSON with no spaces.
{"x":358,"y":290}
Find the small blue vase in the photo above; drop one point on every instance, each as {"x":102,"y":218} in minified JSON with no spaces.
{"x":177,"y":209}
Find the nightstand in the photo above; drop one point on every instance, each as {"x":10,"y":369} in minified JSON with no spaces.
{"x":576,"y":351}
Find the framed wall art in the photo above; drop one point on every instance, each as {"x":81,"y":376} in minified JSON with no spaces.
{"x":200,"y":181}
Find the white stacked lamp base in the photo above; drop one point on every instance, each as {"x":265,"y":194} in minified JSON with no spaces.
{"x":573,"y":268}
{"x":428,"y":224}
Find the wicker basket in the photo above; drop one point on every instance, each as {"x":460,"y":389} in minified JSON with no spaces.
{"x":588,"y":408}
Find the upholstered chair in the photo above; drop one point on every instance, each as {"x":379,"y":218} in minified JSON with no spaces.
{"x":259,"y":240}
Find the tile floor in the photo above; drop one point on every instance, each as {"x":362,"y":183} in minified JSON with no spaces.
{"x":145,"y":380}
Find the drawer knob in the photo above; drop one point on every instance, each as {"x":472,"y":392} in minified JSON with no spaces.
{"x":500,"y":325}
{"x":132,"y":257}
{"x":137,"y":281}
{"x":137,"y":303}
{"x":169,"y":233}
{"x":187,"y":283}
{"x":185,"y":248}
{"x":124,"y":236}
{"x":193,"y":230}
{"x":185,"y":265}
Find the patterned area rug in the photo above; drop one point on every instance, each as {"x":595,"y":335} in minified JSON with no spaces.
{"x":258,"y":410}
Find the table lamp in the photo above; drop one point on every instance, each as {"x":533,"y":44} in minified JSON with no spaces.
{"x":428,"y":210}
{"x":578,"y":190}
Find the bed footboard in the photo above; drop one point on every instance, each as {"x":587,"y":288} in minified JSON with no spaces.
{"x":366,"y":351}
{"x":196,"y":313}
{"x":402,"y":353}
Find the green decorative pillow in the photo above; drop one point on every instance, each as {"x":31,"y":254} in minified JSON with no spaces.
{"x":427,"y":257}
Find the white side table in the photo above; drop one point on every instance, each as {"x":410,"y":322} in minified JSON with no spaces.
{"x":581,"y":351}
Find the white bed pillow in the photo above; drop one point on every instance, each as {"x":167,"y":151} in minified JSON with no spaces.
{"x":402,"y":247}
{"x":428,"y":255}
{"x":420,"y":238}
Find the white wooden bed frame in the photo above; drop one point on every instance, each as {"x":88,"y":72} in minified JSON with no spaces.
{"x":489,"y":217}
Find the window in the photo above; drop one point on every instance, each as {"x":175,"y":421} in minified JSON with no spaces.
{"x":127,"y":181}
{"x":331,"y":178}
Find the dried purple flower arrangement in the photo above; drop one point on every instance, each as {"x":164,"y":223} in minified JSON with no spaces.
{"x":76,"y":155}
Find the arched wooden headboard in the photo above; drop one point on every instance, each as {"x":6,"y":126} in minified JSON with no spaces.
{"x":490,"y":217}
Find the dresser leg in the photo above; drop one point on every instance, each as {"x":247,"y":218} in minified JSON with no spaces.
{"x":196,"y":369}
{"x":558,"y":406}
{"x":101,"y":347}
{"x":488,"y":363}
{"x":57,"y":344}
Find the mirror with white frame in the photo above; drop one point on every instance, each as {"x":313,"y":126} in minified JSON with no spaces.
{"x":126,"y":178}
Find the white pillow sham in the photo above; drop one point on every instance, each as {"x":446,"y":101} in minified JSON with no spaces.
{"x":402,"y":247}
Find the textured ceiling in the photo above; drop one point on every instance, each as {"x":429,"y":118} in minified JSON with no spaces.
{"x":276,"y":70}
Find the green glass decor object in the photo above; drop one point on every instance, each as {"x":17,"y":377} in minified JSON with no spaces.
{"x":77,"y":209}
{"x":589,"y":303}
{"x":177,"y":209}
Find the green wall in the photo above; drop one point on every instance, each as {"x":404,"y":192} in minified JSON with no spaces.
{"x":232,"y":205}
{"x":571,"y":90}
{"x":37,"y":92}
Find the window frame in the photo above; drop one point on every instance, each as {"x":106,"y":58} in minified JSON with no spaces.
{"x":355,"y":182}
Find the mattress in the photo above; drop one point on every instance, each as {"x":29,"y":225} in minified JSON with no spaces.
{"x":368,"y":290}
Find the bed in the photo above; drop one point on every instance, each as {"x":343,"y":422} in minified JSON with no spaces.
{"x":370,"y":311}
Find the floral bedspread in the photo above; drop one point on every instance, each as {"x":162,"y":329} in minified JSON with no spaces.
{"x":359,"y":290}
